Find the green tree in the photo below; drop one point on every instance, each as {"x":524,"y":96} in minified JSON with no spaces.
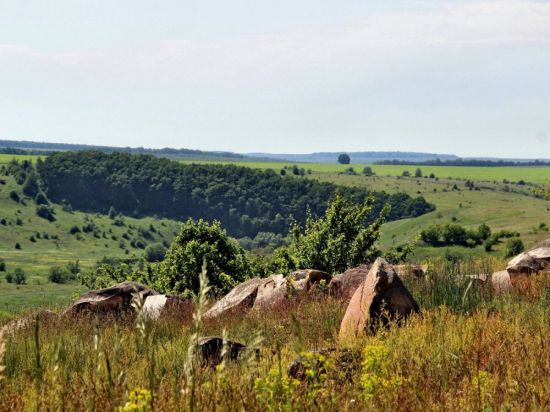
{"x":199,"y":241}
{"x":155,"y":252}
{"x":31,"y":187}
{"x":418,"y":173}
{"x":367,"y":171}
{"x":513,"y":247}
{"x":2,"y":265}
{"x":344,"y":159}
{"x":342,"y":238}
{"x":19,"y":276}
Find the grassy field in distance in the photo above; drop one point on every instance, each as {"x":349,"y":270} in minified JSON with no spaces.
{"x":490,"y":205}
{"x":489,"y":174}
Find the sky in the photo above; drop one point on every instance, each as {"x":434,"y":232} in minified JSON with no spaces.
{"x":470,"y":78}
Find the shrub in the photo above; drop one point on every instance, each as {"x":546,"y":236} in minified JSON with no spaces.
{"x":9,"y":277}
{"x":19,"y":276}
{"x":15,"y":196}
{"x":2,"y":265}
{"x":111,"y":213}
{"x":226,"y":261}
{"x":338,"y":240}
{"x":367,"y":171}
{"x":74,"y":229}
{"x":30,"y":187}
{"x":513,"y":247}
{"x":18,"y":246}
{"x":418,"y":173}
{"x":41,"y":199}
{"x":45,"y":212}
{"x":58,"y":275}
{"x":155,"y":252}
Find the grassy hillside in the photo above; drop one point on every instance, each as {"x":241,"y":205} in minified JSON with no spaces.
{"x":491,"y":205}
{"x":44,"y":244}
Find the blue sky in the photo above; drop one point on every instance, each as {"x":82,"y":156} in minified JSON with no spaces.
{"x":464,"y":77}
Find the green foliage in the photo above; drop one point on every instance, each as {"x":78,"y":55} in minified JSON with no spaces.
{"x":246,"y":201}
{"x":418,"y":173}
{"x":41,"y":199}
{"x":59,"y":274}
{"x":513,"y":247}
{"x":367,"y":171}
{"x":15,"y":196}
{"x":19,"y":277}
{"x":31,"y":187}
{"x":451,"y":234}
{"x":199,"y":241}
{"x":342,"y":238}
{"x":2,"y":265}
{"x":155,"y":252}
{"x":45,"y":212}
{"x":344,"y":159}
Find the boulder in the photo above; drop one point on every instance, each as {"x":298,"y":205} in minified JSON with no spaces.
{"x":44,"y":316}
{"x":210,"y":350}
{"x":381,"y":298}
{"x":239,"y":300}
{"x":272,"y":294}
{"x":344,"y":285}
{"x":417,"y":271}
{"x":111,"y":300}
{"x":304,"y":280}
{"x":500,"y":282}
{"x":533,"y":261}
{"x":157,"y":306}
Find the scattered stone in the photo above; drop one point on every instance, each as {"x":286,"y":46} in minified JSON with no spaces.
{"x":500,"y":282}
{"x":157,"y":306}
{"x":211,"y":349}
{"x":239,"y":300}
{"x":417,"y":271}
{"x":113,"y":300}
{"x":44,"y":316}
{"x":344,"y":285}
{"x":381,"y":298}
{"x":530,"y":262}
{"x":304,"y":280}
{"x":272,"y":294}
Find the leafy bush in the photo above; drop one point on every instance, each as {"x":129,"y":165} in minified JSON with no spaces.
{"x":342,"y":238}
{"x":31,"y":187}
{"x":45,"y":212}
{"x":513,"y":247}
{"x":2,"y":265}
{"x":41,"y":199}
{"x":226,"y":261}
{"x":19,"y":276}
{"x":74,"y":229}
{"x":58,"y":274}
{"x":155,"y":252}
{"x":15,"y":196}
{"x":452,"y":234}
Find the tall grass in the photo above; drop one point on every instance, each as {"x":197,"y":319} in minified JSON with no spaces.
{"x":472,"y":351}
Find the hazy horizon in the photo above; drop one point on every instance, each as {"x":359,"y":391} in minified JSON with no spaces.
{"x":468,"y":78}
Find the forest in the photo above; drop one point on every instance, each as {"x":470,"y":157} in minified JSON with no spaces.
{"x":246,"y":201}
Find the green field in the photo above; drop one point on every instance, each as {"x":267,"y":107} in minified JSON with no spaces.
{"x":6,"y":158}
{"x":485,"y":174}
{"x":491,"y":205}
{"x":53,"y":245}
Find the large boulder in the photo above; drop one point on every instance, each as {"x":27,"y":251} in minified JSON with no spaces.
{"x":533,"y":261}
{"x":164,"y":306}
{"x":344,"y":285}
{"x":113,"y":300}
{"x":381,"y":298}
{"x":211,"y":350}
{"x":305,"y":280}
{"x":273,"y":294}
{"x":238,"y":301}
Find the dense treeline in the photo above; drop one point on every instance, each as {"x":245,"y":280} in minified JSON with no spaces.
{"x":246,"y":201}
{"x":25,"y":147}
{"x":466,"y":162}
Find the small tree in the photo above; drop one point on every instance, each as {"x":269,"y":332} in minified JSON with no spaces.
{"x":196,"y":243}
{"x":367,"y":171}
{"x":19,"y":276}
{"x":418,"y":173}
{"x":58,"y":275}
{"x":155,"y":252}
{"x":31,"y":187}
{"x":2,"y":265}
{"x":45,"y":212}
{"x":342,"y":238}
{"x":513,"y":247}
{"x":344,"y":159}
